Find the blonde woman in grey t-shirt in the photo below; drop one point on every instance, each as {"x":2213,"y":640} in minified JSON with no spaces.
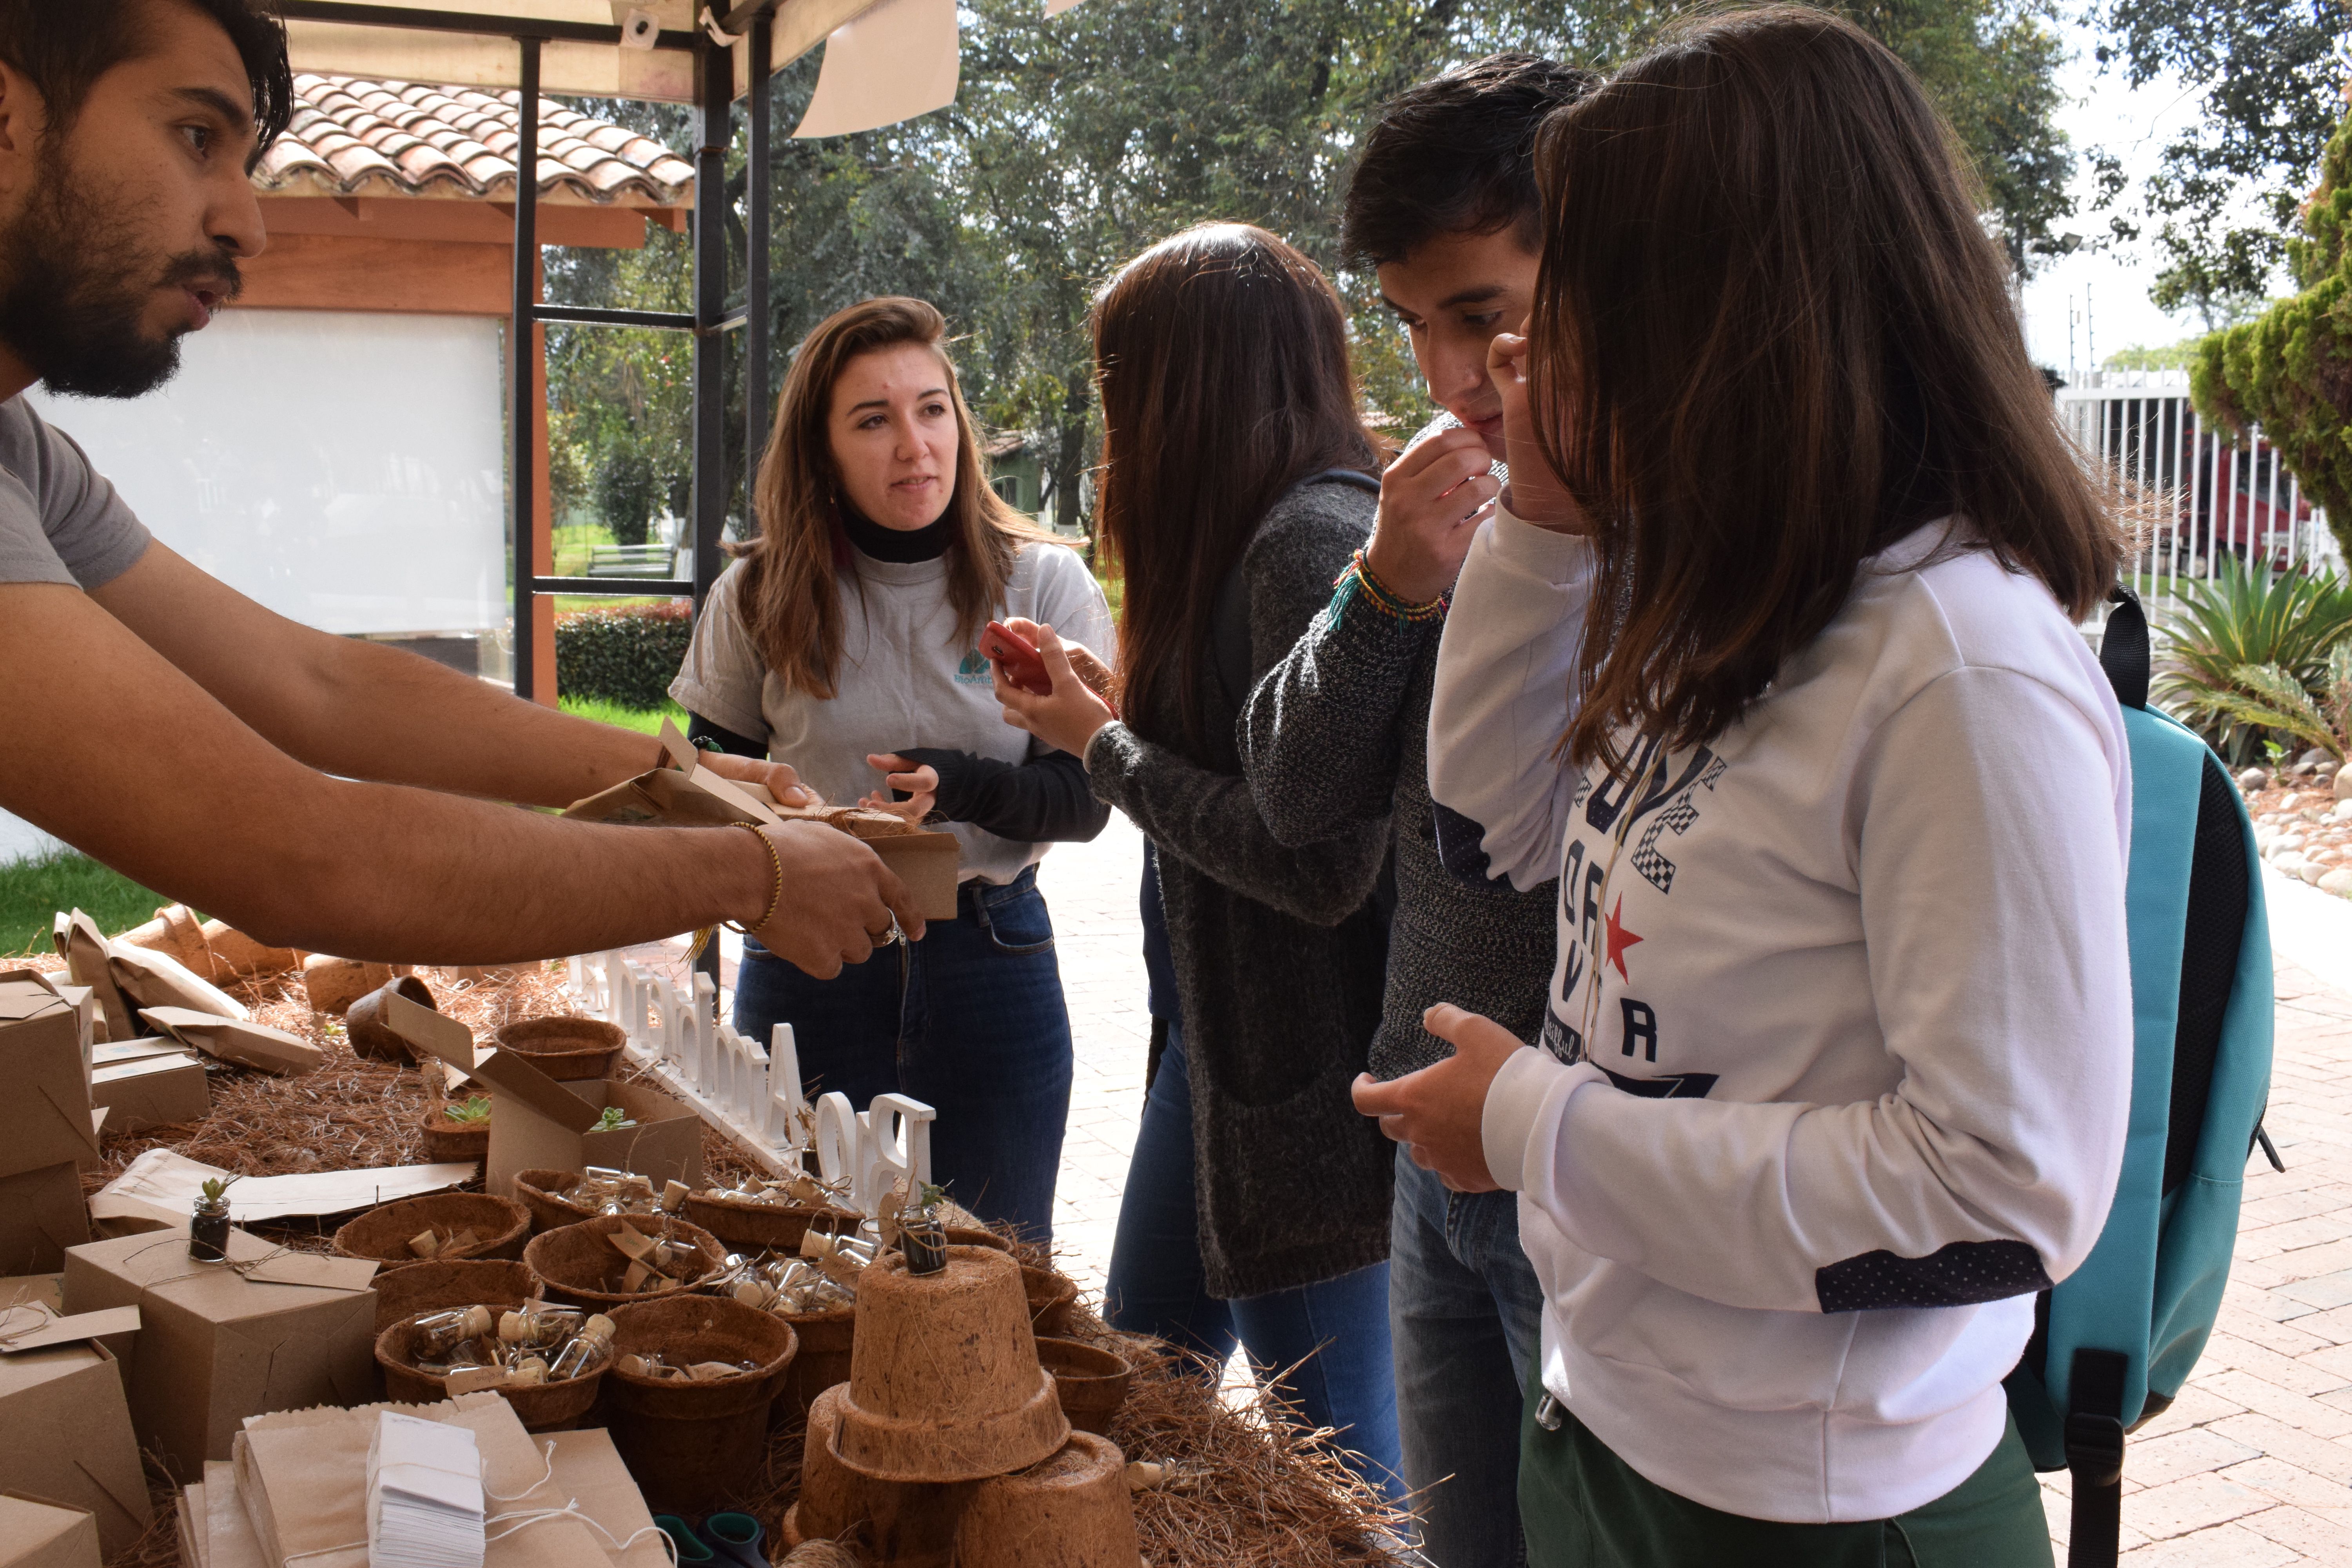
{"x":845,"y":643}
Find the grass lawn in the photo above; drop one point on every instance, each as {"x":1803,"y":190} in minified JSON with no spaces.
{"x":648,"y":719}
{"x":33,"y":891}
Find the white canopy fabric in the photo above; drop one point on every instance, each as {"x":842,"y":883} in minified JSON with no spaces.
{"x":604,"y":71}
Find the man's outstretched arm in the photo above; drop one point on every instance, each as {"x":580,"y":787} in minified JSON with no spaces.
{"x":367,"y":711}
{"x":120,"y":753}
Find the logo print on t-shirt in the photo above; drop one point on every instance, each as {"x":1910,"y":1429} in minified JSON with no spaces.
{"x":973,"y":671}
{"x":1620,"y":939}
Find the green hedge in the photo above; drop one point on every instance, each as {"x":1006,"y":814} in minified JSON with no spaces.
{"x":629,"y":654}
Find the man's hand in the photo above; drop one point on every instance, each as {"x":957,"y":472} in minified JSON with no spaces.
{"x":921,"y":783}
{"x":1071,"y":716}
{"x":838,"y":899}
{"x":1536,"y":494}
{"x":1436,"y":1112}
{"x":778,"y":778}
{"x":1432,"y":502}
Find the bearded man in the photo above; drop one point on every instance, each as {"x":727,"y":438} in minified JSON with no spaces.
{"x":316,"y":792}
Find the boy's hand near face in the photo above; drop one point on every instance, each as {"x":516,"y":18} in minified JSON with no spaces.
{"x":1432,"y":502}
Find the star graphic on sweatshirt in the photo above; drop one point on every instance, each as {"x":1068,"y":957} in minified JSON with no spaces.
{"x":1620,"y":939}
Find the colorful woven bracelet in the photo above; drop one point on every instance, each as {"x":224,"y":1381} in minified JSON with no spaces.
{"x":1358,"y":581}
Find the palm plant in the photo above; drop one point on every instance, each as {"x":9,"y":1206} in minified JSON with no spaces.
{"x":2249,"y":651}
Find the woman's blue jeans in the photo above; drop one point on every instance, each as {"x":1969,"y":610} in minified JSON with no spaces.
{"x":1334,"y":1334}
{"x":969,"y":1020}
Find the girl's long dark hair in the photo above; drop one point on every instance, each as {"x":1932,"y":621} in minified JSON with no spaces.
{"x":1770,"y":337}
{"x":1222,"y":355}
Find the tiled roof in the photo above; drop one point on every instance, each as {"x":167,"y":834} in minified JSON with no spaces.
{"x":352,"y":136}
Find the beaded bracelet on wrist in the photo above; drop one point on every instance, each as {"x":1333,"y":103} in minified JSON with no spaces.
{"x":1357,"y":581}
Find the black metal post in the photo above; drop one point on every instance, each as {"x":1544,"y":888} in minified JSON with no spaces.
{"x":522,"y":357}
{"x":714,"y":92}
{"x":714,"y":83}
{"x":755,"y":281}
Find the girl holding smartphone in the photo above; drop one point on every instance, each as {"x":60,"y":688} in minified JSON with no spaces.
{"x":845,"y":642}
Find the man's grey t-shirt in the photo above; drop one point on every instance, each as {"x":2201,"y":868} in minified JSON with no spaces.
{"x":60,"y":521}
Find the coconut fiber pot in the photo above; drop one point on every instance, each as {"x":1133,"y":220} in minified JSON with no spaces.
{"x":1090,"y":1381}
{"x":944,"y":1383}
{"x":1071,"y":1511}
{"x":452,"y":1141}
{"x":826,"y":1339}
{"x":579,"y":1267}
{"x":433,"y":1286}
{"x":370,"y":1035}
{"x":542,"y":1192}
{"x":907,"y":1524}
{"x":692,"y":1446}
{"x":545,"y":1407}
{"x":1051,"y":1297}
{"x":500,"y":1228}
{"x":566,"y":1049}
{"x":749,"y":1226}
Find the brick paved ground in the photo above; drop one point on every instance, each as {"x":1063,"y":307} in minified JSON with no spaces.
{"x":2252,"y":1465}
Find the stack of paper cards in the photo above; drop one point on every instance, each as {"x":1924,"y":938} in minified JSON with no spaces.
{"x":424,"y":1495}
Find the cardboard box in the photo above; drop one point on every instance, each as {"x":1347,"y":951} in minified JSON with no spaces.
{"x":689,"y":794}
{"x":216,"y":1345}
{"x":152,"y":1091}
{"x":41,"y":1215}
{"x":66,"y":1438}
{"x":44,"y":1064}
{"x":36,"y":1533}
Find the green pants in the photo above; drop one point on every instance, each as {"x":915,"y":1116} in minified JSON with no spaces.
{"x":1583,"y":1507}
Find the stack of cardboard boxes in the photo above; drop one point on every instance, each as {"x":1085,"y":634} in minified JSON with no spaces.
{"x":44,"y":1045}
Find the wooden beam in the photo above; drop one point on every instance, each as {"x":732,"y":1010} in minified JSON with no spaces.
{"x":335,"y":272}
{"x":464,"y":221}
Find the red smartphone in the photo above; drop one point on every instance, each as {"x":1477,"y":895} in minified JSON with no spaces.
{"x":1023,"y":666}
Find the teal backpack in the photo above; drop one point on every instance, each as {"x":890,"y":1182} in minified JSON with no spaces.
{"x":2113,"y":1342}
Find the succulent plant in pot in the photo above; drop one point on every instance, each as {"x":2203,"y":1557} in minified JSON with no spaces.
{"x":209,"y":1226}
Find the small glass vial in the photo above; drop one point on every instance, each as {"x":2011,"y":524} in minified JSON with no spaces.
{"x":439,"y":1334}
{"x":584,"y":1350}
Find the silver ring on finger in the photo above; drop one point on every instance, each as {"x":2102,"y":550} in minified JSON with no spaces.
{"x":886,"y":939}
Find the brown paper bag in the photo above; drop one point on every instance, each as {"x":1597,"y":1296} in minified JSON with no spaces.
{"x":149,"y":979}
{"x":85,"y":950}
{"x":247,"y":1044}
{"x":175,"y":930}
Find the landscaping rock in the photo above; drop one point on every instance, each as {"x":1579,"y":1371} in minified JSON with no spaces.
{"x":2288,"y":864}
{"x":2310,"y":760}
{"x":2252,"y":780}
{"x":2312,"y":870}
{"x":2338,"y":881}
{"x":2344,"y":786}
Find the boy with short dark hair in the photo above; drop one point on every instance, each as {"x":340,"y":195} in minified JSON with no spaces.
{"x":1442,"y":204}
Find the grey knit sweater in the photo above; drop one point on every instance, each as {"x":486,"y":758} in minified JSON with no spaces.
{"x":1279,"y":959}
{"x":1338,"y":736}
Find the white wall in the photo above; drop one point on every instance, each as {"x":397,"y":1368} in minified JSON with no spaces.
{"x":347,"y":470}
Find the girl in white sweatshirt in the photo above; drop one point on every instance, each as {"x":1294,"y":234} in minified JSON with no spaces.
{"x":1771,"y":660}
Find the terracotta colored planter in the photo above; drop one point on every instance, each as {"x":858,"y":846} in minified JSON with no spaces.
{"x":499,"y":1224}
{"x":1051,"y":1297}
{"x":370,"y":1035}
{"x":693,"y":1446}
{"x":1071,"y":1511}
{"x":905,"y":1523}
{"x":578,"y":1266}
{"x":542,"y":1192}
{"x":1091,"y":1382}
{"x":749,"y":1226}
{"x":546,"y":1407}
{"x":565,"y":1048}
{"x":944,"y":1383}
{"x":498,"y":1284}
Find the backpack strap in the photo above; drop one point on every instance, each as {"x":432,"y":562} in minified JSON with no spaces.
{"x":2123,"y":647}
{"x":2095,"y":1458}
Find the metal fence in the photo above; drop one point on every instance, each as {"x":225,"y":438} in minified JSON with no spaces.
{"x":2198,"y":493}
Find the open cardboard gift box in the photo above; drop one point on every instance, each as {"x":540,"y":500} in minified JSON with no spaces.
{"x":37,"y":1533}
{"x":687,"y":794}
{"x":66,"y":1438}
{"x":539,"y":1123}
{"x":217,"y":1344}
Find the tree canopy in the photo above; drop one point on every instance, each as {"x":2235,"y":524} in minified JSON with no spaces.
{"x":1078,"y":140}
{"x":2223,"y":200}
